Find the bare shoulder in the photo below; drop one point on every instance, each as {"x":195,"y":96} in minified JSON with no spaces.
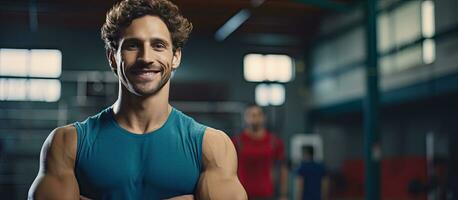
{"x":66,"y":134}
{"x":60,"y":146}
{"x":213,"y":136}
{"x":216,"y":140}
{"x":218,"y":150}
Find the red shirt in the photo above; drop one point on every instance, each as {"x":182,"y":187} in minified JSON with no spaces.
{"x":256,"y":158}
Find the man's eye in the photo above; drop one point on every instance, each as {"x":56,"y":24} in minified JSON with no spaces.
{"x":131,"y":46}
{"x":159,"y":45}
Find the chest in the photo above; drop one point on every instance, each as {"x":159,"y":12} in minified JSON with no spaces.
{"x":151,"y":167}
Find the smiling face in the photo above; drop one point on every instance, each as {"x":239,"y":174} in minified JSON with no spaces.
{"x":144,"y":60}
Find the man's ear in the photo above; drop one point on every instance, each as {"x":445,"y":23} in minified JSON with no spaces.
{"x":176,"y":60}
{"x":112,"y":61}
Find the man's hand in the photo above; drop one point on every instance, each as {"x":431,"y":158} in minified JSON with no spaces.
{"x":219,"y":179}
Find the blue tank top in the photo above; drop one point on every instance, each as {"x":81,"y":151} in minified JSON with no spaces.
{"x":113,"y":163}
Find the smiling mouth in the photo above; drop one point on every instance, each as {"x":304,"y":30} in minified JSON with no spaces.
{"x":146,"y":75}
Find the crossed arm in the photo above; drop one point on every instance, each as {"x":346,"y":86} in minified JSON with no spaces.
{"x":56,"y":178}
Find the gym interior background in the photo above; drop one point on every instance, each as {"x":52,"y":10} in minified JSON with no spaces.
{"x":306,"y":61}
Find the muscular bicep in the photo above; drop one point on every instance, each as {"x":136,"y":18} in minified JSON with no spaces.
{"x":56,"y":178}
{"x":219,"y":179}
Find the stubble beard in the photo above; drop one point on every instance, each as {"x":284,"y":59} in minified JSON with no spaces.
{"x":165,"y":77}
{"x":138,"y":90}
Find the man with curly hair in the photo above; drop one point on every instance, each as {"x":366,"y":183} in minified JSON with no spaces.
{"x":140,"y":147}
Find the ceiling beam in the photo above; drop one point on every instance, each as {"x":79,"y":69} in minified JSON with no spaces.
{"x":236,"y":21}
{"x":232,"y":24}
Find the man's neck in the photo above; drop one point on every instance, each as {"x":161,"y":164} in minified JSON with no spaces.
{"x":140,"y":114}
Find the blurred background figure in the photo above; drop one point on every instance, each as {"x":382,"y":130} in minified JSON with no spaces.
{"x":260,"y":154}
{"x":311,"y":181}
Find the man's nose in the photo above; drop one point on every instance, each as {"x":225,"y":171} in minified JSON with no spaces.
{"x":146,"y":54}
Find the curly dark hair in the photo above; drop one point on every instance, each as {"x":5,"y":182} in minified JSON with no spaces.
{"x":123,"y":13}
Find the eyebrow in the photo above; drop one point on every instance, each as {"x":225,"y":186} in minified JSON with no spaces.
{"x":152,"y":40}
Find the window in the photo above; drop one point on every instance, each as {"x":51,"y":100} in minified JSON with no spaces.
{"x":402,"y":27}
{"x":268,"y":68}
{"x":399,"y":27}
{"x":429,"y":51}
{"x":270,"y":94}
{"x":333,"y":54}
{"x":427,"y":19}
{"x":30,"y":75}
{"x":272,"y":67}
{"x":13,"y":62}
{"x":45,"y":63}
{"x":428,"y":31}
{"x":253,"y":67}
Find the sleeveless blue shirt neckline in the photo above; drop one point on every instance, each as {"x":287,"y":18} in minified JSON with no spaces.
{"x":112,"y":120}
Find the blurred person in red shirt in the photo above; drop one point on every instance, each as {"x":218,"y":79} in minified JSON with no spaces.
{"x":259,"y":152}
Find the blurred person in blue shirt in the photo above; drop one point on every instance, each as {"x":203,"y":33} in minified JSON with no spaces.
{"x":311,"y":180}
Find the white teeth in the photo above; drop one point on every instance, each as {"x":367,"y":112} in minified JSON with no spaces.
{"x":145,"y":72}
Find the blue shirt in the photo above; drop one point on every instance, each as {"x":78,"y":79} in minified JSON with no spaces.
{"x":113,"y":163}
{"x":312,"y":173}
